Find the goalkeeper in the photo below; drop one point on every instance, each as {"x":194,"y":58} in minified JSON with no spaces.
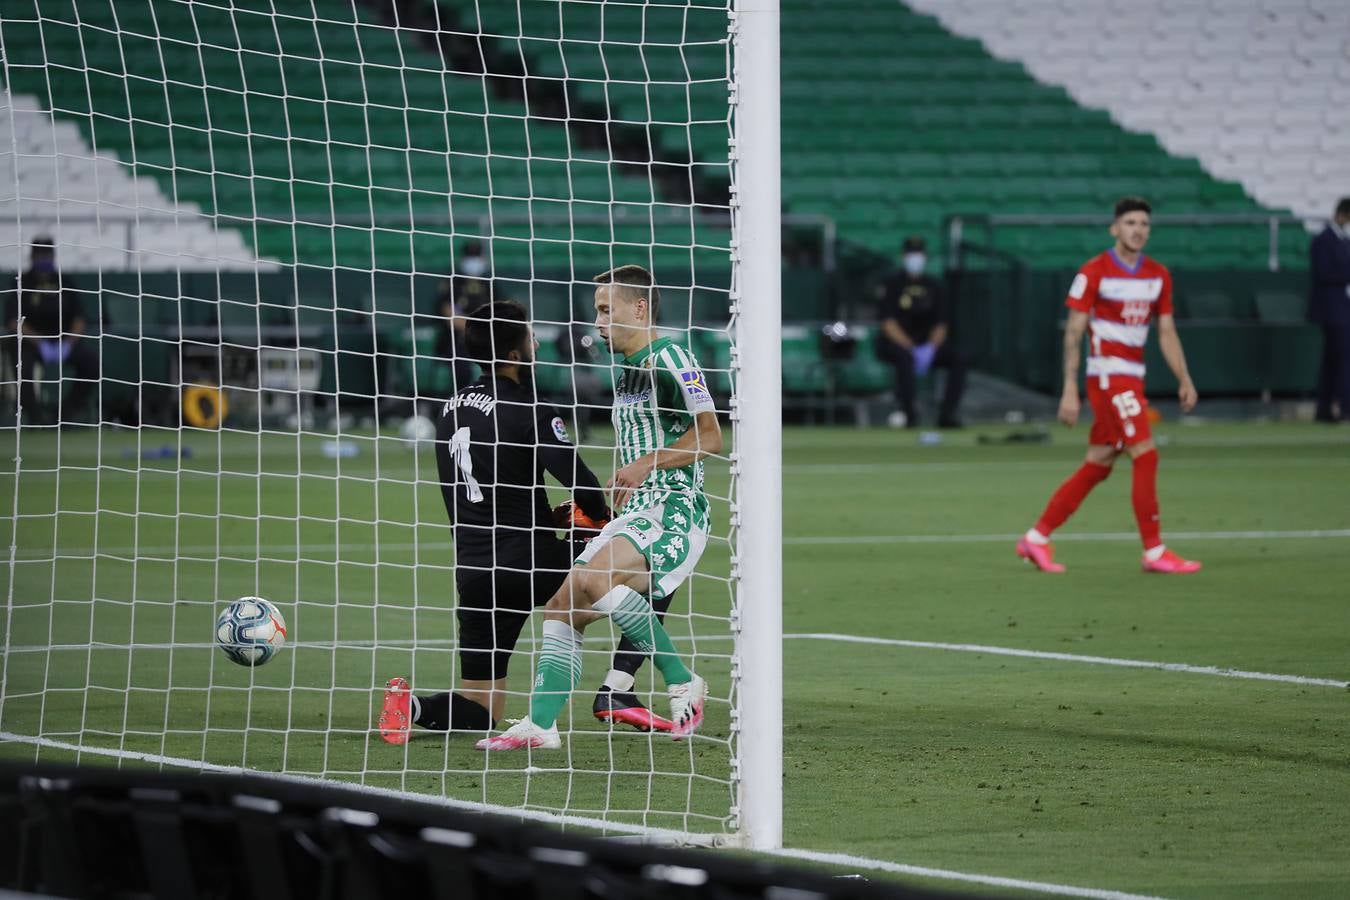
{"x":665,"y":424}
{"x":494,"y":441}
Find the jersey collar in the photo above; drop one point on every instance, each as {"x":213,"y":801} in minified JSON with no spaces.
{"x":1120,"y":262}
{"x":654,"y":347}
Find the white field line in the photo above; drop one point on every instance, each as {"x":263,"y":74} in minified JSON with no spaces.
{"x":982,"y":649}
{"x":988,"y":650}
{"x":1304,"y":534}
{"x":1031,"y":464}
{"x":289,"y":552}
{"x":863,"y":862}
{"x":657,"y":834}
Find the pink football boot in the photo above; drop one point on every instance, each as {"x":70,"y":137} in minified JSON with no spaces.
{"x":1042,"y":556}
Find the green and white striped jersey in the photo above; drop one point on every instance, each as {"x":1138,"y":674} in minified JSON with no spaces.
{"x":657,"y":393}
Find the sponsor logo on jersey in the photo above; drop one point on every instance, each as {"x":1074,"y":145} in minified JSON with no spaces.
{"x":694,"y":385}
{"x":560,"y":430}
{"x":1137,"y":312}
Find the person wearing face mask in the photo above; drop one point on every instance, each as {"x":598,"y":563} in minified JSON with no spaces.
{"x":468,"y":288}
{"x":43,"y":312}
{"x":915,"y":336}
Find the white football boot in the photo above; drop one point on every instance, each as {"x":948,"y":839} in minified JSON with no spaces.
{"x":686,"y":706}
{"x":524,"y":735}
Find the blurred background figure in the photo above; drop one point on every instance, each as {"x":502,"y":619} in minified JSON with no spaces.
{"x":1329,"y":307}
{"x":578,"y":347}
{"x":467,"y":288}
{"x":47,"y":323}
{"x":914,"y":338}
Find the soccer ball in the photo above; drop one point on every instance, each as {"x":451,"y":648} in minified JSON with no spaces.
{"x":418,"y":431}
{"x":250,"y":631}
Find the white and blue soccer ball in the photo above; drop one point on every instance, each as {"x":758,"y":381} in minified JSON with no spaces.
{"x":251,"y":630}
{"x":418,"y":432}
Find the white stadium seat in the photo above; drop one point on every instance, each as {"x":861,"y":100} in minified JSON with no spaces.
{"x":99,"y":214}
{"x":1255,"y":89}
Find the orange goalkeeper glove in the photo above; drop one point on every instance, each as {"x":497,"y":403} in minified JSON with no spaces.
{"x":570,"y":516}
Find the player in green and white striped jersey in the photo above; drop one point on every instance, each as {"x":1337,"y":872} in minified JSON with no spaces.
{"x":665,"y":424}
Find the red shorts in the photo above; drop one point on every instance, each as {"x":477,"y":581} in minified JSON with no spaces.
{"x":1119,"y":412}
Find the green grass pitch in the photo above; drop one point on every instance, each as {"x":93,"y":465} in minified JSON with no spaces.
{"x":1171,"y":783}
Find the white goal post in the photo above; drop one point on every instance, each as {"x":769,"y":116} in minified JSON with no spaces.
{"x":260,"y":212}
{"x":759,"y":446}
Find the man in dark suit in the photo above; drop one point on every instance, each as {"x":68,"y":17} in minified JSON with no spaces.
{"x":1329,"y":307}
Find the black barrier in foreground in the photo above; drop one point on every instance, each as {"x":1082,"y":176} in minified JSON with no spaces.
{"x":125,"y":833}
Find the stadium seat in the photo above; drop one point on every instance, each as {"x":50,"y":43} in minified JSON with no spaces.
{"x":1213,"y":85}
{"x":1277,"y":306}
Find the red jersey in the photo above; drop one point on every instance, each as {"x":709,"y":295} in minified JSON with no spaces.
{"x":1120,"y":302}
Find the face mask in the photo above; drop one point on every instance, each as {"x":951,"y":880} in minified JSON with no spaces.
{"x":44,"y":265}
{"x":473,"y":266}
{"x":913,"y":263}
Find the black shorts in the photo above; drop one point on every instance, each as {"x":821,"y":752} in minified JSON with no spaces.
{"x":493,"y":607}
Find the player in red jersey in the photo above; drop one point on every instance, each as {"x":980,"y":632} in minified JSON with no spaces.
{"x":1113,"y":298}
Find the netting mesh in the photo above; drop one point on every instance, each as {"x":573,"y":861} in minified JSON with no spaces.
{"x":264,"y":214}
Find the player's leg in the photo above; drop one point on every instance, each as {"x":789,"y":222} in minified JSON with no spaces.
{"x":616,"y":700}
{"x":491,"y":610}
{"x":610,"y":579}
{"x":1144,"y":496}
{"x":1105,"y":442}
{"x":1035,"y":545}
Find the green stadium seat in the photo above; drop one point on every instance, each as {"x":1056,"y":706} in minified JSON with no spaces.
{"x":1210,"y":305}
{"x":1281,"y":307}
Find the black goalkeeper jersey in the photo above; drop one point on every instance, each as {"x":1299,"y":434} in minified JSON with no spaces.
{"x":494,"y":441}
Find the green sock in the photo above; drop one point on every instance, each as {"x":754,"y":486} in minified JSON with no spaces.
{"x":633,"y":614}
{"x":558,"y":673}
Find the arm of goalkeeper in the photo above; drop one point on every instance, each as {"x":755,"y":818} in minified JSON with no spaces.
{"x":568,"y":515}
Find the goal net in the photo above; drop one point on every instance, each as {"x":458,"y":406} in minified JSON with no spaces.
{"x":239,"y":229}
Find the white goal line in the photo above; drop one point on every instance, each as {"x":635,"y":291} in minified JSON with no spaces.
{"x":659,"y":835}
{"x":981,"y":649}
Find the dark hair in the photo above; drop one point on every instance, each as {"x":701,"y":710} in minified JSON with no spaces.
{"x":495,"y":329}
{"x":639,"y":280}
{"x":1343,"y":206}
{"x":1132,"y":204}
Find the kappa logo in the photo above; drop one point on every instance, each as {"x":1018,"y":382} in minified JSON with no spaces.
{"x":560,"y":430}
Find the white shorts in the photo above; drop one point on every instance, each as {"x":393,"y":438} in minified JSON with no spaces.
{"x":670,"y":536}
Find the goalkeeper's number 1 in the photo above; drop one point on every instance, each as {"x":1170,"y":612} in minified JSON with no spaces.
{"x":459,"y":452}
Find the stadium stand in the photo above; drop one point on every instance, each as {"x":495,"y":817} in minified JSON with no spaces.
{"x":100,"y":216}
{"x":348,"y":145}
{"x":1256,"y":90}
{"x":919,"y":122}
{"x":312,"y":137}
